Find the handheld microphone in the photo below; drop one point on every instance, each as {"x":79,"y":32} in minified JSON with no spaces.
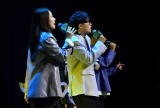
{"x":63,"y":27}
{"x":97,"y":33}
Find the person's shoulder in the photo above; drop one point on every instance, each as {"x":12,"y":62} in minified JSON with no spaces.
{"x":45,"y":35}
{"x":75,"y":38}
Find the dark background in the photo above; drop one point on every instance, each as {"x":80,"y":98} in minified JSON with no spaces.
{"x":127,"y":23}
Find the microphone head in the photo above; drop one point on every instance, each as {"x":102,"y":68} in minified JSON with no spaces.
{"x":63,"y":27}
{"x":96,"y":34}
{"x":94,"y":31}
{"x":59,"y":25}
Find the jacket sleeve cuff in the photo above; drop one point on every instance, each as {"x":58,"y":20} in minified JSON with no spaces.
{"x":68,"y":42}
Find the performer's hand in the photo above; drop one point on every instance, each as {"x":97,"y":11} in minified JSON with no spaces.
{"x":65,"y":85}
{"x":25,"y":98}
{"x":112,"y":46}
{"x":70,"y":31}
{"x":75,"y":106}
{"x":119,"y":66}
{"x":96,"y":66}
{"x":102,"y":38}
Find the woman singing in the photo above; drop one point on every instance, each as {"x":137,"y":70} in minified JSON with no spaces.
{"x":42,"y":83}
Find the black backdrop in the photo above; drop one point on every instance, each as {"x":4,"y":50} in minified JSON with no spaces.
{"x":127,"y":23}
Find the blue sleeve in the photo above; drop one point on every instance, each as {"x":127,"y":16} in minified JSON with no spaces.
{"x":111,"y":71}
{"x":107,"y":60}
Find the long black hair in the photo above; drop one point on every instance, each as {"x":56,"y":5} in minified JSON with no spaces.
{"x":40,"y":22}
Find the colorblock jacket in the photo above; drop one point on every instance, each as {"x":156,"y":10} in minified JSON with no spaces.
{"x":42,"y":76}
{"x":81,"y":73}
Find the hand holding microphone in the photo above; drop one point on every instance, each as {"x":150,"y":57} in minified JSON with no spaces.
{"x":98,"y":35}
{"x":65,"y":28}
{"x":112,"y":46}
{"x":102,"y":38}
{"x":70,"y":31}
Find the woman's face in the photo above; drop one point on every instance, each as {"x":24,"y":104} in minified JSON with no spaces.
{"x":52,"y":21}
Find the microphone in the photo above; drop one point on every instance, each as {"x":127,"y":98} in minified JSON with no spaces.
{"x":97,"y":33}
{"x":63,"y":27}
